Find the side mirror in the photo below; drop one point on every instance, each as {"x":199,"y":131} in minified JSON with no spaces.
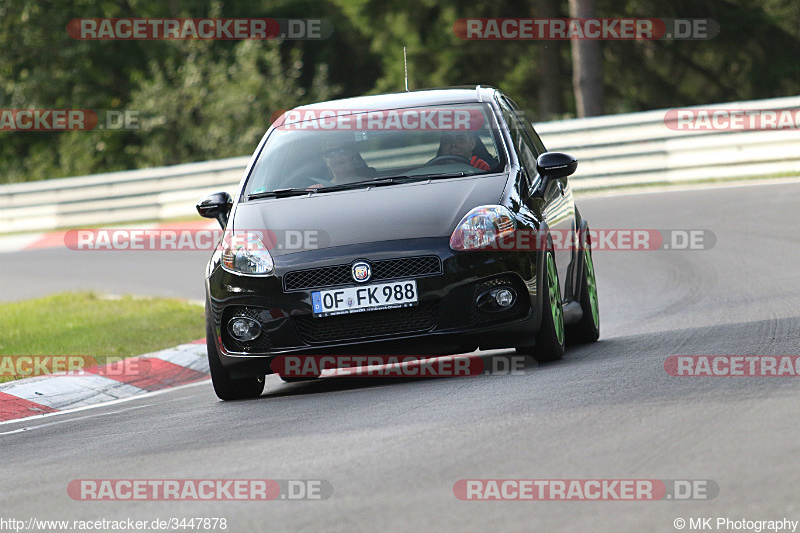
{"x":556,"y":165}
{"x":217,"y":205}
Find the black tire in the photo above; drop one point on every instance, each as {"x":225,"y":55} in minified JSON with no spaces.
{"x":225,"y":387}
{"x":588,"y":328}
{"x":550,"y":339}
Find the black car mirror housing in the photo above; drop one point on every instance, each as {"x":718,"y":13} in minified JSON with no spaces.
{"x":217,"y":205}
{"x":554,"y":165}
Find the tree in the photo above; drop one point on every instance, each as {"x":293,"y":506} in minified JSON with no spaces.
{"x":550,"y":92}
{"x":196,"y":106}
{"x":587,"y":65}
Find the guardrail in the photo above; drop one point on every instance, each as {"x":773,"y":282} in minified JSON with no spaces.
{"x":147,"y":194}
{"x":616,"y":150}
{"x":639,"y":148}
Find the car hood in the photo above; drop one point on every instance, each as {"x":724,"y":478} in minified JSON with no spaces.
{"x":394,"y":212}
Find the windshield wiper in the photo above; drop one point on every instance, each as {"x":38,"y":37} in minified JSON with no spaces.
{"x":280,"y":193}
{"x":425,"y":177}
{"x":375,"y":182}
{"x":443,"y":176}
{"x":388,"y":180}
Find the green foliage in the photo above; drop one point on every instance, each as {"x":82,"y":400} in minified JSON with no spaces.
{"x":201,"y":100}
{"x":196,"y":104}
{"x":195,"y":100}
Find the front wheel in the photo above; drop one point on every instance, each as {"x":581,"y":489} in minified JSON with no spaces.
{"x":550,"y":339}
{"x":225,"y":387}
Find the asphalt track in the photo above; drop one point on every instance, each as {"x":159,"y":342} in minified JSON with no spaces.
{"x":393,"y":449}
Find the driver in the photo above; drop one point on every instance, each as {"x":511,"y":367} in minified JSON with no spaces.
{"x":461,"y":144}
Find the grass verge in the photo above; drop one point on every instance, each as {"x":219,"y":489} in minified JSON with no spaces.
{"x":86,"y":323}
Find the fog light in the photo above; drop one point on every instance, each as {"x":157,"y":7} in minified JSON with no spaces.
{"x":244,"y":328}
{"x":504,"y":297}
{"x":497,"y":300}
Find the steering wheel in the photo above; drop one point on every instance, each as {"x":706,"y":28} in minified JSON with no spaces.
{"x":441,"y":159}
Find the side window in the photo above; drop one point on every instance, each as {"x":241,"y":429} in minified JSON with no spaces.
{"x":534,"y":137}
{"x":539,"y":148}
{"x":523,"y":146}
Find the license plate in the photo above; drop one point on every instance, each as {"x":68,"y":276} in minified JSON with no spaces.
{"x":364,"y":298}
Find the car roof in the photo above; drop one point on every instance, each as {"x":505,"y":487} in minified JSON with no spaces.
{"x":424,"y":97}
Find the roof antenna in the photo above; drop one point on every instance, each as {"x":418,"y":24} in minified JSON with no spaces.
{"x":405,"y":64}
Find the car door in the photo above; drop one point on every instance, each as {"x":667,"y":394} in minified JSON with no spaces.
{"x":559,"y":204}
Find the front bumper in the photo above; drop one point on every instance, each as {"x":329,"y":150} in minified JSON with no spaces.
{"x":446,"y":320}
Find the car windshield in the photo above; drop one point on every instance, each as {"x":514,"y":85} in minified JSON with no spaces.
{"x":325,"y":150}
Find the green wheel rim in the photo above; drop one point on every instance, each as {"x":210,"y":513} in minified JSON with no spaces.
{"x":555,"y":299}
{"x":592,"y":286}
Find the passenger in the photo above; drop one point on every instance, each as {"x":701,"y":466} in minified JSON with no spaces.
{"x":346,"y":164}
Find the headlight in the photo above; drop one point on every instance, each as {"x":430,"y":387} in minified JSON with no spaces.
{"x":246,"y":254}
{"x":482,"y":227}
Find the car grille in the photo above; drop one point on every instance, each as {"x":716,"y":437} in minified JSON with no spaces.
{"x":368,"y":324}
{"x":331,"y":276}
{"x":260,"y":344}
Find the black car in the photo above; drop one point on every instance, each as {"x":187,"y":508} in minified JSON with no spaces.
{"x":415,"y":203}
